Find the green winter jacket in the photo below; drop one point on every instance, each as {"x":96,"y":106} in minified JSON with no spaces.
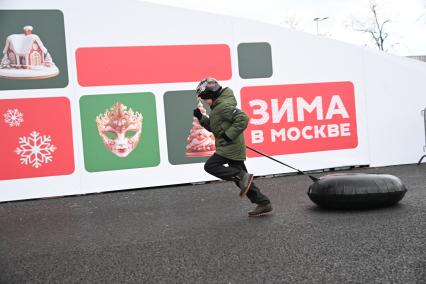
{"x":226,"y":118}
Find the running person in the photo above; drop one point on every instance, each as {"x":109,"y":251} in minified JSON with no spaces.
{"x":227,"y":123}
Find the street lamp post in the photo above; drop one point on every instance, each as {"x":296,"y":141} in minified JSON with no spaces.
{"x":318,"y":20}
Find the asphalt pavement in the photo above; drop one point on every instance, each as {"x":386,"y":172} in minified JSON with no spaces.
{"x":201,"y":234}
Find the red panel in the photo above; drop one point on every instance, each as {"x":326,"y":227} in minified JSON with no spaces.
{"x":287,"y":119}
{"x":127,"y":65}
{"x":37,"y":138}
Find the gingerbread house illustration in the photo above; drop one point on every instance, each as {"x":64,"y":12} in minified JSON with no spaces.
{"x":26,"y":57}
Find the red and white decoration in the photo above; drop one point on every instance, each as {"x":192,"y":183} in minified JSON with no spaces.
{"x":41,"y":145}
{"x":35,"y":149}
{"x":26,"y":57}
{"x":13,"y":117}
{"x":200,"y":142}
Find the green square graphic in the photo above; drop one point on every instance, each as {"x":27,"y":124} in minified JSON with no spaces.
{"x":254,"y":60}
{"x":47,"y":32}
{"x":97,"y":157}
{"x":178,"y":108}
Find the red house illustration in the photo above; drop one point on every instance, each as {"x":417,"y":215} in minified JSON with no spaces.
{"x":26,"y":51}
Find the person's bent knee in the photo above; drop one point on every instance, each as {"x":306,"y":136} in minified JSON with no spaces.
{"x":209,"y":168}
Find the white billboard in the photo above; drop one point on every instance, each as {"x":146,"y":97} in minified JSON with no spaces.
{"x":313,"y":102}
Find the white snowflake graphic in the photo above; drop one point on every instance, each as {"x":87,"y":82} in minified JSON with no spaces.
{"x":13,"y":117}
{"x":35,"y":150}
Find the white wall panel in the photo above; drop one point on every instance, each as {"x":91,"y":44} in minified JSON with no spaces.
{"x":389,"y":91}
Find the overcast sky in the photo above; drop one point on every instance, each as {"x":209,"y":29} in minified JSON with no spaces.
{"x":407,"y":28}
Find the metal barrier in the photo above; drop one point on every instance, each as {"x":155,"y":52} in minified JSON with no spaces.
{"x":423,"y":113}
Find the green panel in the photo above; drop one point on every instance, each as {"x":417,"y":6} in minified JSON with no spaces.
{"x":179,"y":106}
{"x":254,"y":60}
{"x":49,"y":26}
{"x":96,"y":156}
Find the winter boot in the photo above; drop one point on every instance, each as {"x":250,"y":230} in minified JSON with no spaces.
{"x":261,"y":209}
{"x":244,"y":181}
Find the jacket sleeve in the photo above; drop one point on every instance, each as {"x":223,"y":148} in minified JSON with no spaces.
{"x":205,"y":122}
{"x":239,"y":121}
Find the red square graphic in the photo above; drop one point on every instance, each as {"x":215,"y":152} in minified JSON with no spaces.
{"x":36,"y":138}
{"x":300,"y":118}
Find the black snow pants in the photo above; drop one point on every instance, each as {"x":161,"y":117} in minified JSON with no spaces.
{"x":215,"y":166}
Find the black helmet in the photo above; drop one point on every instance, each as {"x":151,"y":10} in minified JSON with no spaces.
{"x":208,"y":88}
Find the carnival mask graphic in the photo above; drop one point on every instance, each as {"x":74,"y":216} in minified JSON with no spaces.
{"x":120,"y":129}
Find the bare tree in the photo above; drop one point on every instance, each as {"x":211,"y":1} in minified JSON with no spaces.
{"x":374,"y":27}
{"x":292,"y":22}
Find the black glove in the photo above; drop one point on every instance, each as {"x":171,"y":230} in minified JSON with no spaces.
{"x":198,"y":114}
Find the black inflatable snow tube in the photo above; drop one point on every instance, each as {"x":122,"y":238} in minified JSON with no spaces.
{"x":356,"y":191}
